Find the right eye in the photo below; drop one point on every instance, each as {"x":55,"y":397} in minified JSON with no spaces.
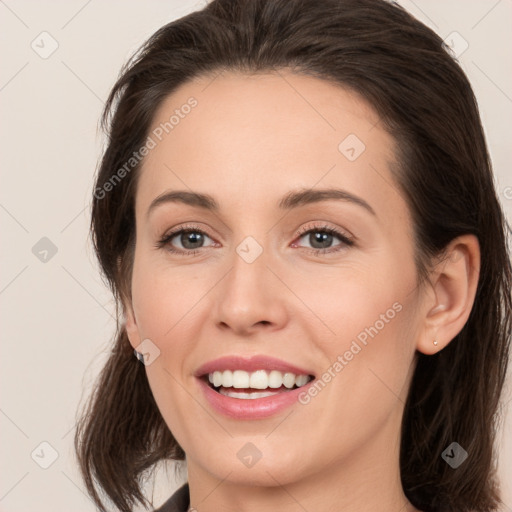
{"x":184,"y":241}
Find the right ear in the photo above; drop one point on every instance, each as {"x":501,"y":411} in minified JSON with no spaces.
{"x":129,"y":321}
{"x":130,"y":324}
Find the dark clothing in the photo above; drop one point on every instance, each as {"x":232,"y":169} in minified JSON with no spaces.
{"x":178,"y":502}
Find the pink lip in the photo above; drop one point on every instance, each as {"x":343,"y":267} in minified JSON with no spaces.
{"x":250,"y":409}
{"x":249,"y":364}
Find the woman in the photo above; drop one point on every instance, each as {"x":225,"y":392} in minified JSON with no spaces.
{"x":296,"y":214}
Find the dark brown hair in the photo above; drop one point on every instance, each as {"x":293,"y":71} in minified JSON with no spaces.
{"x":425,"y":101}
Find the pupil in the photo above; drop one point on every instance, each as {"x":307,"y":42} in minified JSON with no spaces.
{"x":191,"y":238}
{"x":324,"y":239}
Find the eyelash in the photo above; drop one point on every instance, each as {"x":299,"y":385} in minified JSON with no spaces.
{"x":346,"y":241}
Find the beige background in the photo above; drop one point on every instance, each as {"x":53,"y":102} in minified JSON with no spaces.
{"x":57,"y":316}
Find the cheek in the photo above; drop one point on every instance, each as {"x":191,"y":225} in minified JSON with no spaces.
{"x":164,"y":301}
{"x":367,"y":370}
{"x":369,"y":329}
{"x":163,"y":298}
{"x":355,"y":300}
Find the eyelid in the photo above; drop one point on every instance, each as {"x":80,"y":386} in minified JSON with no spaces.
{"x":185,"y":227}
{"x":323,"y":226}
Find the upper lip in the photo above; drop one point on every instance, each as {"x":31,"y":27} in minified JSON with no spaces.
{"x":249,"y":364}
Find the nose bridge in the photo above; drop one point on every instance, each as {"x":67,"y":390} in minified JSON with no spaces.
{"x":248,"y":278}
{"x":248,"y":296}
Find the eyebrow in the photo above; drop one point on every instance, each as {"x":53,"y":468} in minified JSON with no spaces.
{"x":291,"y":200}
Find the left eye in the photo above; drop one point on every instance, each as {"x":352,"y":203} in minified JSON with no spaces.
{"x":323,"y":238}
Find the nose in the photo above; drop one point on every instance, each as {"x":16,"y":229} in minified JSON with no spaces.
{"x":250,"y":297}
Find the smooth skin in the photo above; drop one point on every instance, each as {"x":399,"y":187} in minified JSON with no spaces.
{"x":250,"y":141}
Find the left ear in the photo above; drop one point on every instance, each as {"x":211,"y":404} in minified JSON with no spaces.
{"x":453,"y":285}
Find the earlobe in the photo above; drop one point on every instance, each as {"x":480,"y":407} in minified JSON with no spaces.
{"x":454,"y":282}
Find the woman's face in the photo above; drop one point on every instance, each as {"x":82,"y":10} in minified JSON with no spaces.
{"x":284,"y":274}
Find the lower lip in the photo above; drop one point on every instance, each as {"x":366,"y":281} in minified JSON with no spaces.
{"x":251,"y":409}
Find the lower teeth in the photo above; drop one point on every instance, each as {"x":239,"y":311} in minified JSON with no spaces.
{"x":240,"y":394}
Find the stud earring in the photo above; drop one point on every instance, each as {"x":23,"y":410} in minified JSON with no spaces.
{"x":139,"y":356}
{"x":435,"y":343}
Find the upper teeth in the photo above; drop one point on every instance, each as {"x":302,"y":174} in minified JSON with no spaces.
{"x":259,"y":379}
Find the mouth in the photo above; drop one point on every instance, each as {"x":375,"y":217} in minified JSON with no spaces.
{"x":261,"y":383}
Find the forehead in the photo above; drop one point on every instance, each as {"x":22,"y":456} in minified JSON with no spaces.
{"x":247,"y":135}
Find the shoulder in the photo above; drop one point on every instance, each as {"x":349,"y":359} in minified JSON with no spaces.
{"x":178,"y":502}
